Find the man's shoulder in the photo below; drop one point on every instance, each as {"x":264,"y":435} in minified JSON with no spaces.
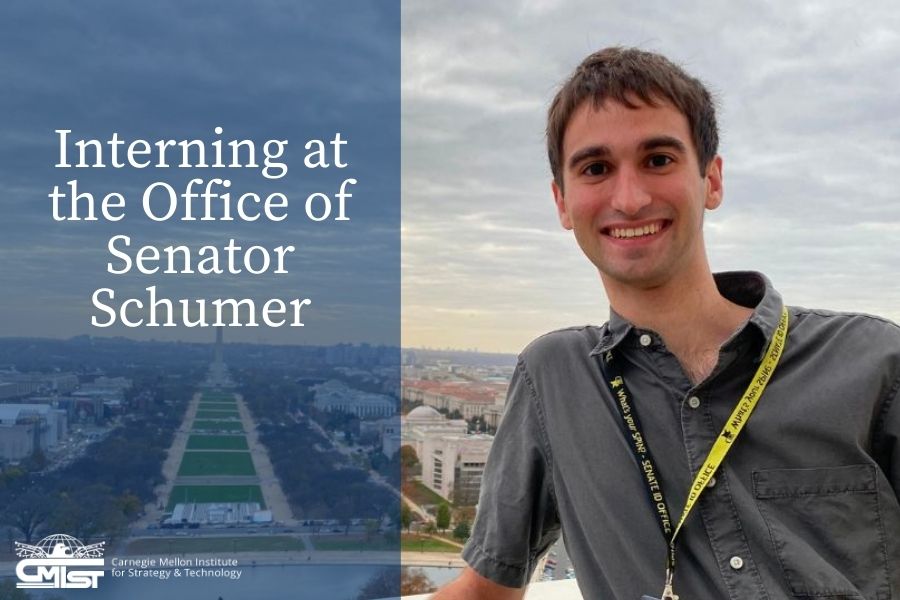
{"x":563,"y":344}
{"x":843,"y":322}
{"x":853,"y":331}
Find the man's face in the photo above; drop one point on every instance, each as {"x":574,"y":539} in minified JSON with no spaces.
{"x":633,"y":193}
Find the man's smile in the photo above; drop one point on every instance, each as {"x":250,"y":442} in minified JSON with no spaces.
{"x":637,"y":230}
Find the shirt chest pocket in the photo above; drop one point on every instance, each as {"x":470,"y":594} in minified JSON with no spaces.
{"x":826,"y":530}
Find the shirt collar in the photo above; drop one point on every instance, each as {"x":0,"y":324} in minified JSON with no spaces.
{"x":747,"y":288}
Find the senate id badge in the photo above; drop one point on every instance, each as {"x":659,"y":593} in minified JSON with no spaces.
{"x":667,"y":595}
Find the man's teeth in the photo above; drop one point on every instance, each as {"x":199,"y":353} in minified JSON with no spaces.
{"x":630,"y":232}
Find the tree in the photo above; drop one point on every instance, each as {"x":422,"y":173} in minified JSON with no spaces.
{"x":391,"y":537}
{"x":414,"y":581}
{"x":443,"y":516}
{"x":343,"y":511}
{"x":28,"y":512}
{"x":37,"y":461}
{"x":391,"y":582}
{"x":408,"y":456}
{"x":89,"y":511}
{"x":383,"y":584}
{"x":129,"y":504}
{"x":372,"y":526}
{"x":406,"y":517}
{"x":409,"y":464}
{"x":462,"y":531}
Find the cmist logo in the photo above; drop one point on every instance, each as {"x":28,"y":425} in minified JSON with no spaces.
{"x":58,"y":561}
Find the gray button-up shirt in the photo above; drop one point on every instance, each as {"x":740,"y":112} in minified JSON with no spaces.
{"x":804,"y":506}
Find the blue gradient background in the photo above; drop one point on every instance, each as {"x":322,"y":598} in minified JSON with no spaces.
{"x":172,"y":70}
{"x":262,"y":70}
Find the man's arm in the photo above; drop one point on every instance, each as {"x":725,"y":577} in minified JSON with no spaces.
{"x":472,"y":586}
{"x":516,"y":519}
{"x":890,"y":440}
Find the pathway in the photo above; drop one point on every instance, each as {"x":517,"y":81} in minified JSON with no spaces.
{"x":153,"y":511}
{"x":276,"y":501}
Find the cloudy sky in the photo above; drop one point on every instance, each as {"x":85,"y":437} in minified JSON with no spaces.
{"x":810,"y":131}
{"x":810,"y":137}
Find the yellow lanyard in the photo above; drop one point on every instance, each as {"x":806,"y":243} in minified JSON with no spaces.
{"x":733,"y":426}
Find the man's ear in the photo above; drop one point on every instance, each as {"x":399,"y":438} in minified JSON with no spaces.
{"x":560,"y":201}
{"x":714,"y":183}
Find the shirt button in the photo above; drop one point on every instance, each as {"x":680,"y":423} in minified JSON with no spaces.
{"x":736,"y":562}
{"x":711,"y":482}
{"x":693,"y":401}
{"x":645,"y":340}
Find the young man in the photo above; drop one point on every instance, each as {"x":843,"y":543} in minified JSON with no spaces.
{"x":773,"y":431}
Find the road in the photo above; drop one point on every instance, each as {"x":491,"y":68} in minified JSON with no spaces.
{"x":275,"y":498}
{"x":374,"y":476}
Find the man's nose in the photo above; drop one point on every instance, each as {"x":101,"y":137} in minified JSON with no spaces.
{"x":629,"y":195}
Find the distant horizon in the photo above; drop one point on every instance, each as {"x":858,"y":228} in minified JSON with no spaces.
{"x":182,"y":341}
{"x":250,"y":343}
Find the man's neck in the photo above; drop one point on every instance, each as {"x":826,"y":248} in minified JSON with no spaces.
{"x":690,"y":314}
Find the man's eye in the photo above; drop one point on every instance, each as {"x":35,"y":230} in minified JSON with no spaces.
{"x":595,"y":169}
{"x":659,"y":160}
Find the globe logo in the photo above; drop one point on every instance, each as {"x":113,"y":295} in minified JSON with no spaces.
{"x":59,"y":561}
{"x":59,"y":545}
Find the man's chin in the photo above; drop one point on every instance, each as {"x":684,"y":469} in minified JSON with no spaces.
{"x":638,"y":279}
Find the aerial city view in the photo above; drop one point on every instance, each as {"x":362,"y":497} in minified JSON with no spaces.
{"x":271,"y":465}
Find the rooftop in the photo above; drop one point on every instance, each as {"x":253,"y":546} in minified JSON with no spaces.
{"x":484,"y":393}
{"x":424,"y":413}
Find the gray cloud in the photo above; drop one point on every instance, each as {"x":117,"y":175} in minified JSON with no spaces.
{"x":811,"y":140}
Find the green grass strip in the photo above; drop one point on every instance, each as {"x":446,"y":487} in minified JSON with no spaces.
{"x":216,"y":463}
{"x":217,"y":442}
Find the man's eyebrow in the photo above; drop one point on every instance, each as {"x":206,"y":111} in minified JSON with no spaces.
{"x":588,"y":152}
{"x":601,"y":151}
{"x":663,"y":141}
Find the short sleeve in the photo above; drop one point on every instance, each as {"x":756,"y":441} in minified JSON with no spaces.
{"x":889,"y":438}
{"x":516,"y":520}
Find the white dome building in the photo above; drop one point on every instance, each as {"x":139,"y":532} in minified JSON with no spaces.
{"x":452,"y":460}
{"x":424,"y":414}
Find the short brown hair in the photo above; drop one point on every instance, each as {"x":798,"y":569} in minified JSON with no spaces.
{"x":624,"y":75}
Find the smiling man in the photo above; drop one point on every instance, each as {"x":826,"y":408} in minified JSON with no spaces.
{"x":707,"y":441}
